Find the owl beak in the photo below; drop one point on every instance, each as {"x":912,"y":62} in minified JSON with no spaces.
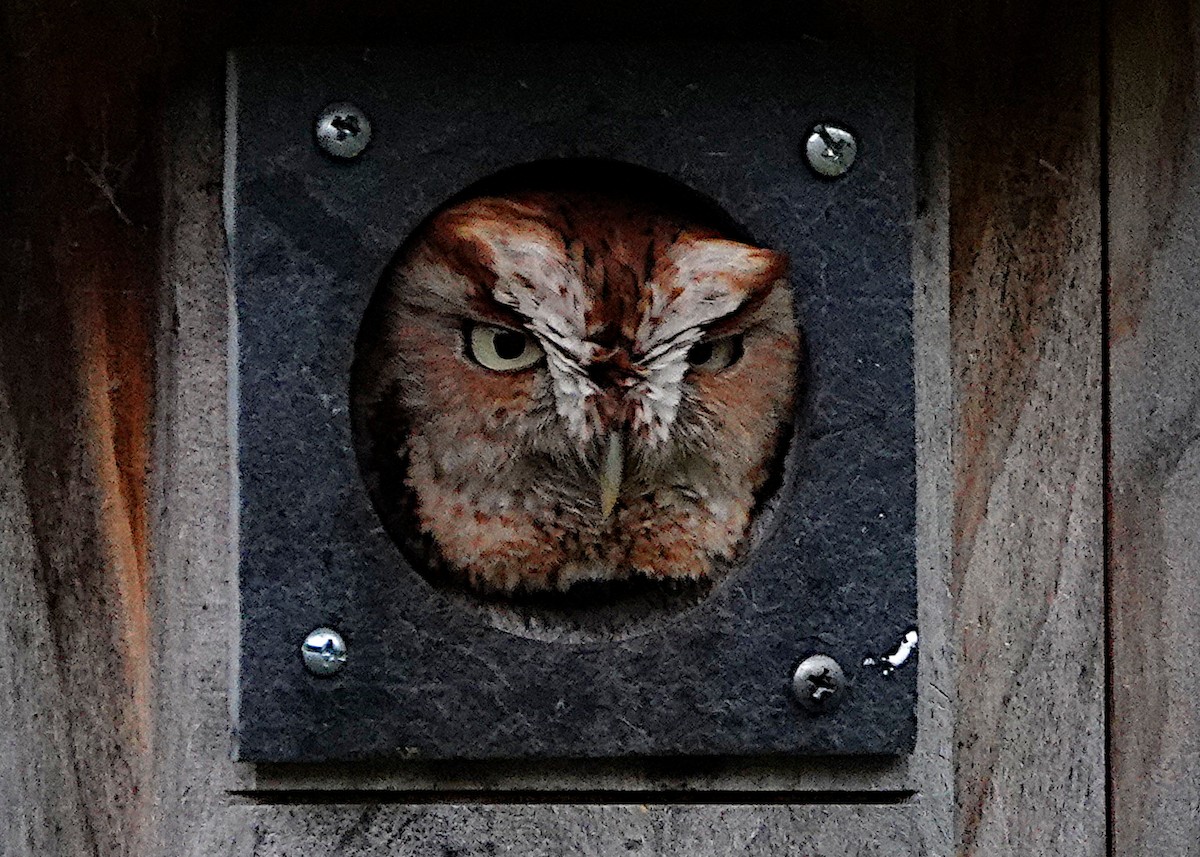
{"x":611,"y":473}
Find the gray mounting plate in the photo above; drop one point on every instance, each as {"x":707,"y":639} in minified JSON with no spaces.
{"x":309,"y":239}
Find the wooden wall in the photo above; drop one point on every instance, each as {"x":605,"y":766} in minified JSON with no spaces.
{"x":1058,"y":148}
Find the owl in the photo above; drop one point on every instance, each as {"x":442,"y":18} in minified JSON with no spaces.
{"x":567,"y":386}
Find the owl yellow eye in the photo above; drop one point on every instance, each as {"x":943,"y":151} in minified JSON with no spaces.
{"x":501,"y":349}
{"x":713,"y":355}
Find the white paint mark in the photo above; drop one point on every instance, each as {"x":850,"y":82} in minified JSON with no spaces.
{"x":896,"y":659}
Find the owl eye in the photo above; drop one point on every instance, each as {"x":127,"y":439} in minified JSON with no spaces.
{"x":501,"y":349}
{"x":713,"y":355}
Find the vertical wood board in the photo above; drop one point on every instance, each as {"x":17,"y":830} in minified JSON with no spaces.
{"x":1025,"y":269}
{"x":1154,"y":420}
{"x":77,"y":287}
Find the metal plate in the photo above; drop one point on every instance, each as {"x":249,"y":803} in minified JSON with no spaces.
{"x":310,"y":238}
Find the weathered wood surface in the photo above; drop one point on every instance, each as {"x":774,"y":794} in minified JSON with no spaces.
{"x":1154,"y":313}
{"x":1025,"y":239}
{"x":194,"y":591}
{"x":77,"y":284}
{"x":587,"y":831}
{"x":43,"y":809}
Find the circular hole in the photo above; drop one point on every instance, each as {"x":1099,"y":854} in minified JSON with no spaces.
{"x":572,"y":394}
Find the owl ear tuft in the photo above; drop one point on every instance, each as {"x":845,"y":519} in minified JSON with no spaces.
{"x":740,"y":269}
{"x":510,"y":260}
{"x":494,"y":238}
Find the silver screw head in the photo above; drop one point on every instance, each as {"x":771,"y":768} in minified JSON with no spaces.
{"x":819,"y":683}
{"x":324,"y":652}
{"x":343,"y":131}
{"x":831,"y":150}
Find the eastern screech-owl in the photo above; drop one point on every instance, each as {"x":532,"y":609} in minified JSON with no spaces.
{"x":569,"y":386}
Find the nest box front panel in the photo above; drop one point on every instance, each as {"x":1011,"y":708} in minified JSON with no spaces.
{"x":574,"y":402}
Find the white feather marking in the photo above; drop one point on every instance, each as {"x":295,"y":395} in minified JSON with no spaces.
{"x":535,"y":278}
{"x":704,"y":284}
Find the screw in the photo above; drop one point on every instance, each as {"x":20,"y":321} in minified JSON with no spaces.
{"x":324,"y":652}
{"x":831,"y":150}
{"x":342,"y":130}
{"x":819,"y":683}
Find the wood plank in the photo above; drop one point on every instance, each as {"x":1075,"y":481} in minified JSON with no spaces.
{"x":551,"y":830}
{"x":194,"y":590}
{"x":41,"y":805}
{"x":1026,"y":328}
{"x":77,"y":283}
{"x":1154,"y":313}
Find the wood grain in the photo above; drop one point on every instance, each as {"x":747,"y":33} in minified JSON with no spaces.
{"x":41,"y":807}
{"x":194,"y":592}
{"x":588,"y":831}
{"x":77,"y":285}
{"x":1025,"y":249}
{"x":1154,"y":312}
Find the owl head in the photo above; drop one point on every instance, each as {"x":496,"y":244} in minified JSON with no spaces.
{"x":575,"y":386}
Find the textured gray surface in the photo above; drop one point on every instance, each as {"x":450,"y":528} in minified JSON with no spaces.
{"x":1027,"y":338}
{"x":836,"y":572}
{"x":194,"y":589}
{"x":1154,"y":184}
{"x":41,"y":807}
{"x":589,"y":831}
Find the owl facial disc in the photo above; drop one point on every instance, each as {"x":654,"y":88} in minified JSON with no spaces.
{"x":582,"y":387}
